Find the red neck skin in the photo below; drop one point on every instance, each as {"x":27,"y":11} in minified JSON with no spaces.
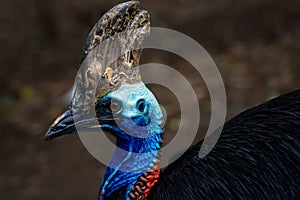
{"x":142,"y":188}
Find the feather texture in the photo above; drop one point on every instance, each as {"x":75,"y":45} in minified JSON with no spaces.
{"x":256,"y":157}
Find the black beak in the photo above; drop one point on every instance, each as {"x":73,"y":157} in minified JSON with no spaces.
{"x":63,"y":125}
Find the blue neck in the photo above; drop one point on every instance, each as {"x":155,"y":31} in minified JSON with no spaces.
{"x":133,"y":157}
{"x":138,"y":131}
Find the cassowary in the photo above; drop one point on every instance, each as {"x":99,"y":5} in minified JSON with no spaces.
{"x":256,"y":157}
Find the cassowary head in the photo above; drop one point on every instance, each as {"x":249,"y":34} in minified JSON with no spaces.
{"x":110,"y":95}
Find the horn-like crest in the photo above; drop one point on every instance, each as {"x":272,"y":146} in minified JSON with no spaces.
{"x":111,"y":53}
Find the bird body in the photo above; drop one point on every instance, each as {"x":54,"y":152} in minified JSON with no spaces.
{"x":256,"y":157}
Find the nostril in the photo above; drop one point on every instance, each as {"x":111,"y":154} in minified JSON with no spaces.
{"x":141,"y":105}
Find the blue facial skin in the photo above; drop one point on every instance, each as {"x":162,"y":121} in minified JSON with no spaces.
{"x":137,"y":126}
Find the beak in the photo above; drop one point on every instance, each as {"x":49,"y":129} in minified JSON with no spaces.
{"x":63,"y":125}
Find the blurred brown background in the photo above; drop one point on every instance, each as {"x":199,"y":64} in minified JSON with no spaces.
{"x":255,"y":44}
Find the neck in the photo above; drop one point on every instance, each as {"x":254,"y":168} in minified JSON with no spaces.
{"x":133,"y":157}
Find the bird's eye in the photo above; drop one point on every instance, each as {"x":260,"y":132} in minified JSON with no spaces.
{"x":141,"y":105}
{"x":115,"y":107}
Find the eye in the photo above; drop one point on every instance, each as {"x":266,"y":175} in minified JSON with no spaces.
{"x":141,"y":105}
{"x":115,"y":107}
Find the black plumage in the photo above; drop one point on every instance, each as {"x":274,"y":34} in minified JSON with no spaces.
{"x":256,"y":157}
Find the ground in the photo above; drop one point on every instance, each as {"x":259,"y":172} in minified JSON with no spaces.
{"x":254,"y":44}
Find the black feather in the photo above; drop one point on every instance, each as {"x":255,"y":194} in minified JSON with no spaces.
{"x":256,"y":157}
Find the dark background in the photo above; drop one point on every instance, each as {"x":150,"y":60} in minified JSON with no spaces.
{"x":255,"y":44}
